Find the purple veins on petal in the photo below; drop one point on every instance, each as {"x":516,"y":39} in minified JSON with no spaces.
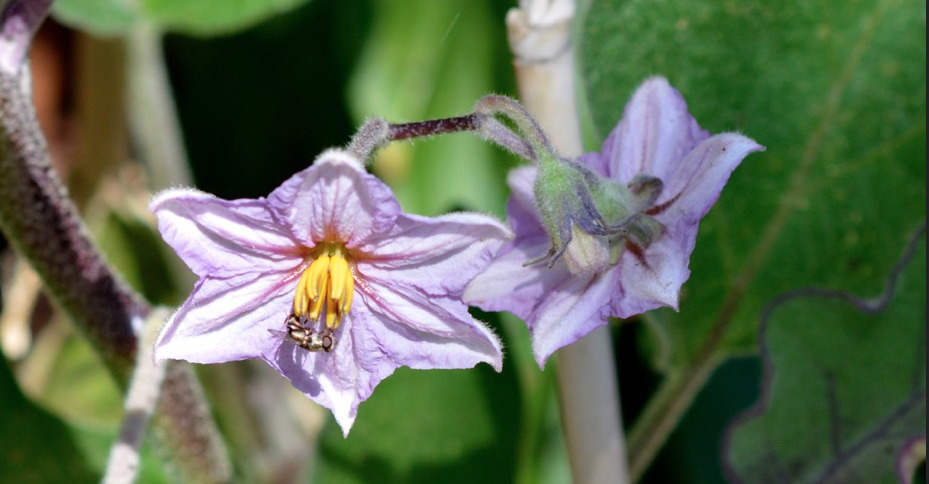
{"x":673,"y":171}
{"x":328,"y":281}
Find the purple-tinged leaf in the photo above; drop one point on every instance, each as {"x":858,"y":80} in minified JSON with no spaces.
{"x":845,"y":383}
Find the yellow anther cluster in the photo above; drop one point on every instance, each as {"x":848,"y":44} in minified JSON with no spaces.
{"x":327,"y":280}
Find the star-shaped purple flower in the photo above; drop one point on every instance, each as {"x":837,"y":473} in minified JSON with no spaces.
{"x":657,"y":137}
{"x":328,"y":281}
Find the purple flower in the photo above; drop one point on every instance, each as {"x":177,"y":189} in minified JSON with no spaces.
{"x":328,"y":281}
{"x":657,"y":138}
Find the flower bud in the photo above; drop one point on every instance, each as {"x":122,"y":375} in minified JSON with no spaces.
{"x":587,"y":254}
{"x":588,"y":217}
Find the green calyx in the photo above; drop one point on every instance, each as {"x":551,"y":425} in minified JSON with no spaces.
{"x":589,"y":218}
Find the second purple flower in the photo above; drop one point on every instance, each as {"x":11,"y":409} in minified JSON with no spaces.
{"x":658,"y":150}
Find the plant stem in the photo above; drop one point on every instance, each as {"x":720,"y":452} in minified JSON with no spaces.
{"x":43,"y":225}
{"x":588,"y":389}
{"x":123,"y":464}
{"x":152,"y":113}
{"x":376,"y":132}
{"x":419,"y":129}
{"x":19,"y":20}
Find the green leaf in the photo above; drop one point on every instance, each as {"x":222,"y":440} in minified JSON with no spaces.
{"x":429,"y":426}
{"x":101,"y":17}
{"x":434,"y":64}
{"x":37,"y":447}
{"x":213,"y":17}
{"x":202,"y":17}
{"x":845,"y":386}
{"x":836,"y":92}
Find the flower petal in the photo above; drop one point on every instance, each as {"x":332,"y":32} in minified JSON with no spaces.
{"x":426,"y":331}
{"x":654,"y":135}
{"x":335,"y":200}
{"x":333,"y":380}
{"x":223,"y":238}
{"x":655,"y":283}
{"x":227,"y":319}
{"x":698,"y":182}
{"x":701,"y":176}
{"x":423,"y":350}
{"x":569,"y":312}
{"x":508,"y":285}
{"x":439,"y":255}
{"x":521,"y":212}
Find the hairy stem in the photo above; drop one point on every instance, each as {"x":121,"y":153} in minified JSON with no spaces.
{"x":43,"y":225}
{"x":40,"y":221}
{"x":376,"y":132}
{"x":468,"y":122}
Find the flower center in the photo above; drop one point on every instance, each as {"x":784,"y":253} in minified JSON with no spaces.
{"x":326,"y":285}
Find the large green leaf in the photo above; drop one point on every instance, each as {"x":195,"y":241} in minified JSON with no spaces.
{"x":836,"y":92}
{"x":845,"y":386}
{"x":200,"y":17}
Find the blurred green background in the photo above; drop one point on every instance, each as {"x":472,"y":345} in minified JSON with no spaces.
{"x":837,"y":95}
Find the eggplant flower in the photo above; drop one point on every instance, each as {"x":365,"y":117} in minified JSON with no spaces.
{"x":328,"y":281}
{"x":657,"y":149}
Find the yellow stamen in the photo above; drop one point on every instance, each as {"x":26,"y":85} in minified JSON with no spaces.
{"x":338,"y":272}
{"x":300,"y":300}
{"x":332,"y":316}
{"x":319,"y":277}
{"x":341,"y":289}
{"x":346,"y":302}
{"x":327,"y":280}
{"x":316,"y":308}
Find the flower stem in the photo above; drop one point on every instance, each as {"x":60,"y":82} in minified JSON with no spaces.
{"x":376,"y":132}
{"x":588,"y":389}
{"x":420,"y":129}
{"x":19,"y":20}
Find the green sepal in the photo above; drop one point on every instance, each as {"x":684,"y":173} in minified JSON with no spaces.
{"x":571,"y":197}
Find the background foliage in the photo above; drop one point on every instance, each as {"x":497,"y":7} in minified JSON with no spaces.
{"x":835,"y":91}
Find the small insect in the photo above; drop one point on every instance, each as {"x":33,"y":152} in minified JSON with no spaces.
{"x":304,"y":337}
